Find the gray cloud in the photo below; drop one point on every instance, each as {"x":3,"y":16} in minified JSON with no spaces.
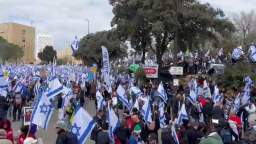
{"x":63,"y":19}
{"x":66,"y":18}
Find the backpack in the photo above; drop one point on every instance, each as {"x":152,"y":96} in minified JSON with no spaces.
{"x":226,"y":136}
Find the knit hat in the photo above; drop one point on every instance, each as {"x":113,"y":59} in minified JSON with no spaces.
{"x":30,"y":140}
{"x":137,"y":129}
{"x":61,"y":125}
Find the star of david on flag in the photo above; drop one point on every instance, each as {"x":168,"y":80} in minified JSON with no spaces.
{"x":75,"y":130}
{"x":42,"y":112}
{"x":82,"y":125}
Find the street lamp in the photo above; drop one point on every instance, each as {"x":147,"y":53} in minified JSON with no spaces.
{"x":88,"y":21}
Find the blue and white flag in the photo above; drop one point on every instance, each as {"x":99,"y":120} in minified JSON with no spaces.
{"x":247,"y":89}
{"x":3,"y":92}
{"x":206,"y":90}
{"x":113,"y":122}
{"x":55,"y":88}
{"x":162,"y":118}
{"x":106,"y":66}
{"x":3,"y":82}
{"x":162,"y":92}
{"x":82,"y":125}
{"x":174,"y":135}
{"x":42,"y":112}
{"x":123,"y":97}
{"x":252,"y":53}
{"x":183,"y":115}
{"x":146,"y":111}
{"x":237,"y":103}
{"x":135,"y":91}
{"x":237,"y":53}
{"x":75,"y":45}
{"x":100,"y":101}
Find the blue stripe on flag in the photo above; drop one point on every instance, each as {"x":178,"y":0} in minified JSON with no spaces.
{"x":50,"y":94}
{"x":87,"y":131}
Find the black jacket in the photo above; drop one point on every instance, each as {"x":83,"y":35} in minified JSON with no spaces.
{"x":66,"y":138}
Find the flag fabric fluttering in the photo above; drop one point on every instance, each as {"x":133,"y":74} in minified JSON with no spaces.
{"x":247,"y":89}
{"x":106,"y":66}
{"x":183,"y":115}
{"x":55,"y":88}
{"x":237,"y":53}
{"x":82,"y":125}
{"x":162,"y":118}
{"x":162,"y":92}
{"x":252,"y":53}
{"x":206,"y":90}
{"x":146,"y":111}
{"x":113,"y":122}
{"x":237,"y":103}
{"x":100,"y":101}
{"x":42,"y":112}
{"x":75,"y":45}
{"x":217,"y":97}
{"x":3,"y":82}
{"x":123,"y":97}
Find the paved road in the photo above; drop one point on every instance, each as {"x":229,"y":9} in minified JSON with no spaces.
{"x":49,"y":136}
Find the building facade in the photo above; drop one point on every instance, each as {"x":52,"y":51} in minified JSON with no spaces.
{"x":43,"y":40}
{"x":21,"y":35}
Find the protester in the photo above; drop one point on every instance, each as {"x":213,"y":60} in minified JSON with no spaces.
{"x":6,"y":125}
{"x":64,"y":137}
{"x":3,"y":138}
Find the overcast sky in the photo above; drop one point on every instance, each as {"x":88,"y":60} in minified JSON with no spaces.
{"x":64,"y":19}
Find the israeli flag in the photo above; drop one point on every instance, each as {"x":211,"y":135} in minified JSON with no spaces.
{"x":162,"y":118}
{"x":146,"y":112}
{"x":162,"y":92}
{"x":192,"y":96}
{"x":122,"y":97}
{"x":42,"y":112}
{"x":100,"y":101}
{"x":246,"y":96}
{"x":252,"y":50}
{"x":55,"y":88}
{"x":174,"y":135}
{"x":75,"y":45}
{"x":3,"y":92}
{"x":183,"y":115}
{"x":113,"y":122}
{"x":206,"y":90}
{"x":82,"y":125}
{"x":237,"y":103}
{"x":135,"y":91}
{"x":237,"y":53}
{"x":3,"y":83}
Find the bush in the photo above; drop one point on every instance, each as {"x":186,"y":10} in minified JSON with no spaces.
{"x":234,"y":75}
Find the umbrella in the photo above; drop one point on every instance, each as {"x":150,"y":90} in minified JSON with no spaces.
{"x":134,"y":67}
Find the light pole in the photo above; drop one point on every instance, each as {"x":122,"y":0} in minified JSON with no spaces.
{"x":88,"y":21}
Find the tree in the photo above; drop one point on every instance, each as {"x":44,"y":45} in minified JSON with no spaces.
{"x":9,"y":51}
{"x":48,"y":55}
{"x":245,"y":24}
{"x":155,"y":24}
{"x":89,"y":50}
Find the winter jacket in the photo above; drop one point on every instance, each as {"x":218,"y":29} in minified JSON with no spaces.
{"x":212,"y":138}
{"x":66,"y":138}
